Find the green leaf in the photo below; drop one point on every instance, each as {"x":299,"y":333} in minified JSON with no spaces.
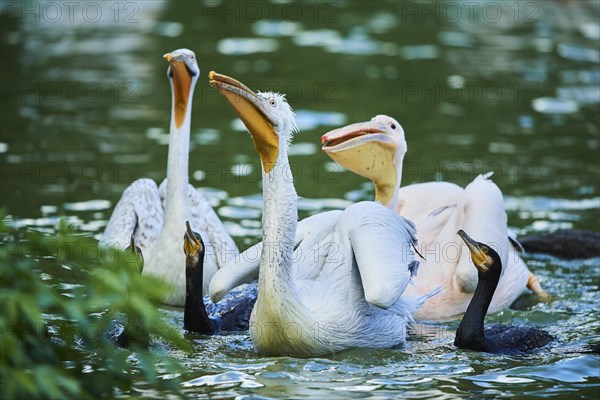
{"x":55,"y":332}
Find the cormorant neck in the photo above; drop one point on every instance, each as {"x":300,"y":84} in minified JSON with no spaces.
{"x":470,"y":332}
{"x":195,"y":318}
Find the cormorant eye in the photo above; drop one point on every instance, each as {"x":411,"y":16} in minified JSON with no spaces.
{"x":393,"y":126}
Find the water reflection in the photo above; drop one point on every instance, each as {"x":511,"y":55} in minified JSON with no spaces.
{"x":85,"y":110}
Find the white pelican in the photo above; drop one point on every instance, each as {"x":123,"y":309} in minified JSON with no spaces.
{"x":156,"y":216}
{"x":496,"y":338}
{"x":340,"y":286}
{"x":375,"y":150}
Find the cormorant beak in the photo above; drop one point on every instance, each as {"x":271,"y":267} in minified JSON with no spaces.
{"x":191,"y":244}
{"x":479,"y":253}
{"x":182,"y":77}
{"x":137,"y":252}
{"x":254,"y":113}
{"x":366,"y":149}
{"x":132,"y":244}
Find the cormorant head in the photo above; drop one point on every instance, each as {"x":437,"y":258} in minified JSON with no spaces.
{"x":193,"y":247}
{"x":267,"y":116}
{"x":183,"y":73}
{"x":137,"y":253}
{"x":486,"y":259}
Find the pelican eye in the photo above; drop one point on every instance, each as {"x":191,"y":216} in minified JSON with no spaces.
{"x":393,"y":126}
{"x":272,"y":102}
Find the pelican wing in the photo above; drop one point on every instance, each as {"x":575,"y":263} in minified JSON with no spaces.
{"x":243,"y":268}
{"x":206,"y":219}
{"x":382,"y":242}
{"x":139,"y":212}
{"x":421,"y":200}
{"x":206,"y":222}
{"x":514,"y":241}
{"x":430,"y":206}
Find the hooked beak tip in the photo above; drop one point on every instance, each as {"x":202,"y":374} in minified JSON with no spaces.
{"x":466,"y":238}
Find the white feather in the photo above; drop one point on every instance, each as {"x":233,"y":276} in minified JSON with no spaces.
{"x":439,"y":210}
{"x":479,"y":210}
{"x":313,"y":280}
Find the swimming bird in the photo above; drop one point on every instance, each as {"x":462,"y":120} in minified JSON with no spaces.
{"x":568,"y":244}
{"x":340,"y":285}
{"x":156,"y":215}
{"x":133,"y":331}
{"x":497,"y":338}
{"x":375,"y":149}
{"x":200,"y":315}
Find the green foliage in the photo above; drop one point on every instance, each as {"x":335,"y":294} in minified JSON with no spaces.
{"x":59,"y":297}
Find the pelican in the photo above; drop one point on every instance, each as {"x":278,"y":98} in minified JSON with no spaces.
{"x":375,"y":149}
{"x":155,"y":215}
{"x":340,"y":285}
{"x":497,"y":338}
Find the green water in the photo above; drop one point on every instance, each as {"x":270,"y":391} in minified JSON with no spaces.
{"x":509,"y":87}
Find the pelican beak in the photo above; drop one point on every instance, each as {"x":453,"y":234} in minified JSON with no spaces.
{"x":478,"y":253}
{"x":191,"y":244}
{"x":366,"y":149}
{"x":252,"y":111}
{"x":182,"y":84}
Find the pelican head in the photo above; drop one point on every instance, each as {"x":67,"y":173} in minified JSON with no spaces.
{"x":374,"y":149}
{"x":183,"y":72}
{"x":486,"y":260}
{"x":267,"y":115}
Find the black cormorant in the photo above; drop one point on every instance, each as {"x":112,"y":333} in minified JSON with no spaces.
{"x":497,"y":338}
{"x":200,"y":314}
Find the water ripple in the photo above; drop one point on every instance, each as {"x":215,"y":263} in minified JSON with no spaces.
{"x":320,"y":37}
{"x":551,"y":105}
{"x":573,"y":370}
{"x":89,"y":205}
{"x":578,"y":53}
{"x":237,"y":46}
{"x":226,"y":379}
{"x":530,"y":203}
{"x":276,"y":28}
